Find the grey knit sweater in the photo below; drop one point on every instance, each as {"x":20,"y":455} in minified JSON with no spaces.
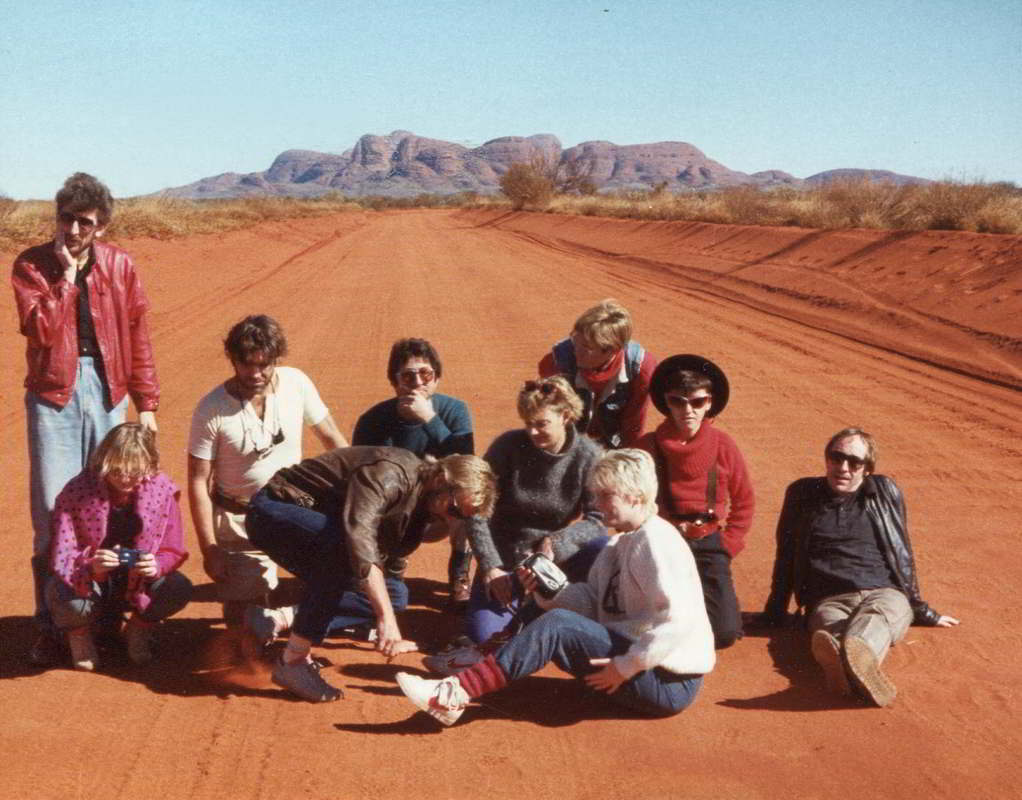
{"x":541,"y":494}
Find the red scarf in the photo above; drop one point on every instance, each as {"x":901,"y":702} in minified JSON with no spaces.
{"x":597,"y":379}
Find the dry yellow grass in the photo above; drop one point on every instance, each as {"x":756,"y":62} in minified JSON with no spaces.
{"x":945,"y":205}
{"x":165,"y":218}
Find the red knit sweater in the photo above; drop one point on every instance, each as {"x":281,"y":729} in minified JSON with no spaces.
{"x":688,"y":466}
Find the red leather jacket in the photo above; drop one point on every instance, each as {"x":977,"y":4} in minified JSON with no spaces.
{"x":47,"y":306}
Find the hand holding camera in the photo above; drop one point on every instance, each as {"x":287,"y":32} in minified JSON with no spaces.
{"x":542,"y":576}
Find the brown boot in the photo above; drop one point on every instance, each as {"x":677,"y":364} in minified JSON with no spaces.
{"x":827,"y":652}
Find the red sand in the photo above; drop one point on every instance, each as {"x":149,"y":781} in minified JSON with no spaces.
{"x":914,"y":336}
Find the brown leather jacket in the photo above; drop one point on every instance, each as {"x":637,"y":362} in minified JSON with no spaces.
{"x":47,"y":306}
{"x":373,"y":492}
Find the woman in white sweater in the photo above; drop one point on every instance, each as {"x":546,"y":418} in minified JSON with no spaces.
{"x":636,"y":629}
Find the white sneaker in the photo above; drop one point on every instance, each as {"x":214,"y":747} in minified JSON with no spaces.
{"x":454,"y":658}
{"x":266,"y":624}
{"x":444,"y":700}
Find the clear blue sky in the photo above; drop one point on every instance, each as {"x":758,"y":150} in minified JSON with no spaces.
{"x":153,"y":94}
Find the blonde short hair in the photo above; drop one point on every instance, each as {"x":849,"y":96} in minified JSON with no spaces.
{"x":469,"y":474}
{"x":130,"y":449}
{"x":555,"y":393}
{"x":629,"y":472}
{"x":606,"y":325}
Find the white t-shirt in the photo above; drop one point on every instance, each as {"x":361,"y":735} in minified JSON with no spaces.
{"x":240,"y":445}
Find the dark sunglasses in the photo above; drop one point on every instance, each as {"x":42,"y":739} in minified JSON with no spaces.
{"x":695,"y":402}
{"x":543,"y":387}
{"x":69,"y":219}
{"x":837,"y":458}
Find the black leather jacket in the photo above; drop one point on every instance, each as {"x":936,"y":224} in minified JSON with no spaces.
{"x":885,"y":507}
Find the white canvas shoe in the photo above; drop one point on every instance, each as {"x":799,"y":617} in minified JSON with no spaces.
{"x":444,"y":700}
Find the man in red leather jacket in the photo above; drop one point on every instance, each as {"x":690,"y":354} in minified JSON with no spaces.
{"x":83,"y":314}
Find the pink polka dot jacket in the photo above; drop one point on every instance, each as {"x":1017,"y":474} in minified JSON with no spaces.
{"x":79,"y":524}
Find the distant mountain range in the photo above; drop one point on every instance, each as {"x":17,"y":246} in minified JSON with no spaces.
{"x":402,"y":164}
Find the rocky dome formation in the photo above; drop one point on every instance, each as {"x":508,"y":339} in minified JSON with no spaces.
{"x":401,"y":164}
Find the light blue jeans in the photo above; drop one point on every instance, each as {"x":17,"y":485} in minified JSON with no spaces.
{"x":60,"y":441}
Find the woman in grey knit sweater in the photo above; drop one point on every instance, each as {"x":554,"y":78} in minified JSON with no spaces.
{"x":542,"y":503}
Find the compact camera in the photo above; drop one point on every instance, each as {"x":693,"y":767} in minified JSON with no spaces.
{"x":549,"y":577}
{"x":127,"y":557}
{"x":700,"y":518}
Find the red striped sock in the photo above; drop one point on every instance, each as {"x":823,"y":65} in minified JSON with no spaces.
{"x":482,"y":677}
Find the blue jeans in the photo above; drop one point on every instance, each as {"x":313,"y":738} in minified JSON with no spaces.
{"x":168,"y":595}
{"x":60,"y":441}
{"x":310,"y":545}
{"x":570,"y":640}
{"x":485,"y":617}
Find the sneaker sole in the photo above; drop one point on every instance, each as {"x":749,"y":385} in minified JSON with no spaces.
{"x":865,"y":672}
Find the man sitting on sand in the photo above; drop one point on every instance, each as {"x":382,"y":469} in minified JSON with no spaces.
{"x":843,"y":549}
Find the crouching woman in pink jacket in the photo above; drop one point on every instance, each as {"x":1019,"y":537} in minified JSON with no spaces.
{"x":116,"y":547}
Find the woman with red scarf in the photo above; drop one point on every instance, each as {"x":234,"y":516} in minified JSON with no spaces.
{"x":705,"y":490}
{"x":609,"y":371}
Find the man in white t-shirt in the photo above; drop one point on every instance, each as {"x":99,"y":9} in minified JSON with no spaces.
{"x":242,"y":433}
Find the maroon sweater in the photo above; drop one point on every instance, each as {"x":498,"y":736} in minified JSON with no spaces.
{"x":688,"y":466}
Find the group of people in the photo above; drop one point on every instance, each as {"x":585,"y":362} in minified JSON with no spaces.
{"x":643,"y":526}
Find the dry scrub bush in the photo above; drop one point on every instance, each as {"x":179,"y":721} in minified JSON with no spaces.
{"x":528,"y":185}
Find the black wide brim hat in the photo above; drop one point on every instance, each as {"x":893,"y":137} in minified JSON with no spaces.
{"x":719,"y":387}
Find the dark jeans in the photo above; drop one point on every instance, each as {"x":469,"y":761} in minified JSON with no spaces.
{"x":310,"y":545}
{"x":486,"y":617}
{"x":570,"y":640}
{"x":106,"y":603}
{"x":714,"y":565}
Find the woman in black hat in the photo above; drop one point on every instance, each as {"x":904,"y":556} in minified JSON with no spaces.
{"x":705,"y":490}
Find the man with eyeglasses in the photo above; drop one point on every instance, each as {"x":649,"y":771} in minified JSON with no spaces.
{"x":425,"y":422}
{"x":242,"y":432}
{"x":82,"y":311}
{"x":843,"y":550}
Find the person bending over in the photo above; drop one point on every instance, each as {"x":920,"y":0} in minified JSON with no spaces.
{"x":344,"y":523}
{"x":636,"y":628}
{"x":843,"y":551}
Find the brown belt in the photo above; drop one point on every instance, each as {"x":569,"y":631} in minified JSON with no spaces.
{"x":228,"y":503}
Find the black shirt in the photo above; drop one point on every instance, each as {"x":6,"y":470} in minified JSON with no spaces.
{"x":88,"y":345}
{"x":844,"y":554}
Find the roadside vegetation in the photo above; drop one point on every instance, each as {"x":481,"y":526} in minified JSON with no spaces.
{"x":941,"y":205}
{"x":31,"y":221}
{"x":536,"y":186}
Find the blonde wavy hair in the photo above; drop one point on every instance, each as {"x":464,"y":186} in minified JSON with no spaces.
{"x":463,"y":473}
{"x":554,"y":393}
{"x":606,"y":325}
{"x":129,"y":449}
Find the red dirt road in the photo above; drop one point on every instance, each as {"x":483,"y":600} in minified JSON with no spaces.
{"x":915,"y":337}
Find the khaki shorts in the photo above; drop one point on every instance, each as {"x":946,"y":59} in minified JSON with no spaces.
{"x":251,"y":574}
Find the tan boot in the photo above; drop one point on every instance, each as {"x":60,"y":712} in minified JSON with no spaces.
{"x":827,"y":652}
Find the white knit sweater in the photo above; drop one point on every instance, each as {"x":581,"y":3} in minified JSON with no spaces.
{"x":644,"y":586}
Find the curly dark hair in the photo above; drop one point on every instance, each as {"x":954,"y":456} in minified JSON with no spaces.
{"x":257,"y":333}
{"x":404,"y":349}
{"x":82,"y":192}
